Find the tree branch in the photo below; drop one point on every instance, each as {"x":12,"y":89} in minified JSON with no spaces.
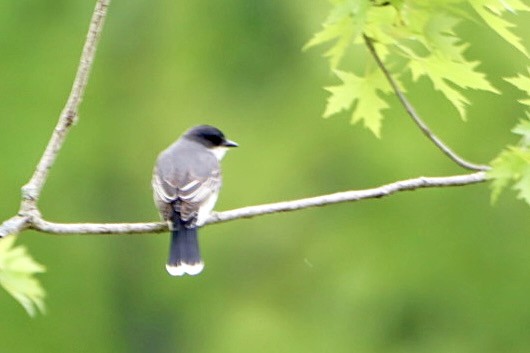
{"x":416,"y":118}
{"x":30,"y":217}
{"x":14,"y":225}
{"x":42,"y":225}
{"x":32,"y":190}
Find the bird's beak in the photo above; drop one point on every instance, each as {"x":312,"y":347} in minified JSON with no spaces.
{"x":229,"y":143}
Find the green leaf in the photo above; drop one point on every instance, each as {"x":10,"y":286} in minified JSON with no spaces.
{"x":523,"y":129}
{"x":445,"y":74}
{"x":513,"y":165}
{"x":17,"y":270}
{"x":363,"y":90}
{"x":440,"y":38}
{"x":344,"y":25}
{"x":523,"y":83}
{"x":492,"y":10}
{"x":523,"y":185}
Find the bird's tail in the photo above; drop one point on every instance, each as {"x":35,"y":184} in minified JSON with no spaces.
{"x":184,"y":253}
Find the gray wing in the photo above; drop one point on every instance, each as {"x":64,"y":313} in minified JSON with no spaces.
{"x":183,"y":188}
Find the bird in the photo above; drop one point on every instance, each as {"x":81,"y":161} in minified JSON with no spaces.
{"x":186,"y":183}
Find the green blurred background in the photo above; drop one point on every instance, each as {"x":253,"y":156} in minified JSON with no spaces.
{"x":429,"y":271}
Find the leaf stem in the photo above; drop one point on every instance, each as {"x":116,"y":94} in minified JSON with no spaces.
{"x":415,"y":116}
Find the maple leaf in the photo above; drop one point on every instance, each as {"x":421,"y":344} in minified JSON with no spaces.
{"x":492,"y":10}
{"x":445,"y":74}
{"x":523,"y":83}
{"x":17,"y":271}
{"x":363,"y":90}
{"x":344,"y":25}
{"x":513,"y":165}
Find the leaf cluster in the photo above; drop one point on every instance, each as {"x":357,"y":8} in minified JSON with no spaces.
{"x":415,"y":37}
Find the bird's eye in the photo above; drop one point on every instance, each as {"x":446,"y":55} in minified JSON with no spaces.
{"x":215,"y":139}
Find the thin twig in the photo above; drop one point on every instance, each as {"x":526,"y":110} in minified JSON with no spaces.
{"x":259,"y":210}
{"x":416,"y":118}
{"x":31,"y":191}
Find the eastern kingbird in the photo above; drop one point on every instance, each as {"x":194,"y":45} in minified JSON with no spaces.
{"x":186,"y":183}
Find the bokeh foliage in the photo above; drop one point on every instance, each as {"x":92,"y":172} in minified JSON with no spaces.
{"x":436,"y":270}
